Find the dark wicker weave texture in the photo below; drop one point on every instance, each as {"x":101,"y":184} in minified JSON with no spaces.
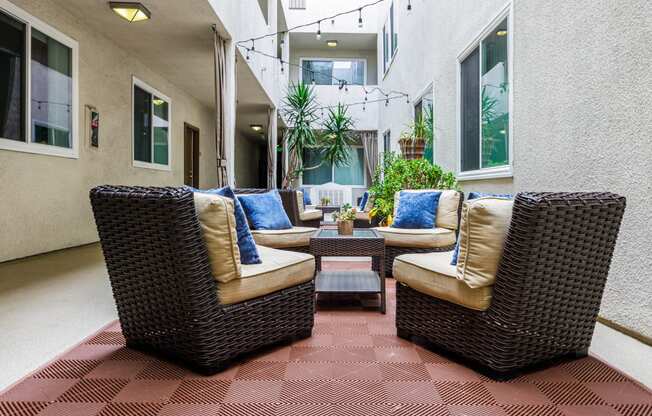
{"x":164,"y":289}
{"x":547,"y":292}
{"x":392,"y":252}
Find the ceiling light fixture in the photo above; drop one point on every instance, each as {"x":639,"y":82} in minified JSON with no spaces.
{"x":501,"y":32}
{"x":256,"y":127}
{"x":130,"y":11}
{"x":331,"y":43}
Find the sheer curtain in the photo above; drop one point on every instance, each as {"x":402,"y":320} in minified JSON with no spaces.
{"x":220,"y":111}
{"x":370,"y":146}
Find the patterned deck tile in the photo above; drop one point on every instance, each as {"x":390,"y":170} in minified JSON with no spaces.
{"x":352,"y":365}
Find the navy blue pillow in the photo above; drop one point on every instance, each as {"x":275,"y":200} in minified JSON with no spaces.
{"x":416,"y":209}
{"x":474,"y":195}
{"x":265,"y":211}
{"x":246,"y":244}
{"x":306,"y":196}
{"x":363,"y":201}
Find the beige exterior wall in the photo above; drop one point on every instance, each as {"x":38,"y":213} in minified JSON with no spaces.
{"x":580,"y":115}
{"x":45,"y":203}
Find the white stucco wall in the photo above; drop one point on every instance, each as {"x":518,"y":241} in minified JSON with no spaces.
{"x":45,"y":202}
{"x":580,"y":113}
{"x":317,"y":9}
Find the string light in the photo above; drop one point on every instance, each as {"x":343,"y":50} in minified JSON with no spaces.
{"x":319,"y":30}
{"x":409,"y":6}
{"x":358,"y":9}
{"x":360,"y":18}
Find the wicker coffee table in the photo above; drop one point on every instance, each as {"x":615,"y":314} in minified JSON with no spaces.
{"x":363,"y":242}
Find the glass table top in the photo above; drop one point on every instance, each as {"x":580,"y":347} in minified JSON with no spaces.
{"x":357,"y":233}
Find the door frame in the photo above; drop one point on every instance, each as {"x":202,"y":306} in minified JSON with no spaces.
{"x":195,"y":153}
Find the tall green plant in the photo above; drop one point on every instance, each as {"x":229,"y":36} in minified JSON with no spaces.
{"x":337,"y":136}
{"x":300,"y":110}
{"x":395,"y":174}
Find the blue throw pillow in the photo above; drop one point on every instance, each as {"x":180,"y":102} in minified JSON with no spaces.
{"x":246,"y":244}
{"x":306,"y":196}
{"x":416,"y":209}
{"x":474,"y":195}
{"x":363,"y":201}
{"x":265,"y":211}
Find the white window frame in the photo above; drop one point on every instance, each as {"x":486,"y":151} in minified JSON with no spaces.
{"x":153,"y":91}
{"x":388,"y":25}
{"x":507,"y":171}
{"x":419,"y":98}
{"x":27,"y":146}
{"x":307,"y":58}
{"x":333,"y":167}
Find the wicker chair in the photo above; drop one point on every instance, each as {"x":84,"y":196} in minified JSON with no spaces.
{"x":547,"y":293}
{"x":391,"y":252}
{"x":166,"y":296}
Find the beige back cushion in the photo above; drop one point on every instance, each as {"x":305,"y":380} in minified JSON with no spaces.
{"x":215,"y":214}
{"x":485,"y":222}
{"x":449,"y":202}
{"x":300,"y":201}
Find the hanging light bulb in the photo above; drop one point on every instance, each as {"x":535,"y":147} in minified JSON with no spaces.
{"x":409,"y":6}
{"x":364,"y":107}
{"x":247,"y":53}
{"x":281,"y":61}
{"x":360,"y":18}
{"x":407,"y":99}
{"x":319,"y":30}
{"x":346,"y":86}
{"x":312,"y":81}
{"x":386,"y":102}
{"x":365,"y":96}
{"x":282,"y":38}
{"x":253,"y":45}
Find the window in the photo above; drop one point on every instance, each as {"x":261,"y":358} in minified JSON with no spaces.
{"x":38,"y":86}
{"x":151,"y":127}
{"x":353,"y":174}
{"x":298,"y":4}
{"x":390,"y":37}
{"x":484,"y":104}
{"x":423,"y":109}
{"x":387,"y":141}
{"x":325,"y":71}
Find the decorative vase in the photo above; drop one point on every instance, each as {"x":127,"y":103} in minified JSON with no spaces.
{"x":345,"y":227}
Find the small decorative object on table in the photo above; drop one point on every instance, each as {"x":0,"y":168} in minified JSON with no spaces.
{"x":325,"y":201}
{"x":344,"y":219}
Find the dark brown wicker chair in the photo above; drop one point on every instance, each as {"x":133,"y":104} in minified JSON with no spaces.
{"x":166,"y":296}
{"x":391,"y":252}
{"x":547,"y":293}
{"x":290,"y":203}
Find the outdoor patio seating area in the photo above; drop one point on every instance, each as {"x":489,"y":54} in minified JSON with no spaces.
{"x":325,"y":208}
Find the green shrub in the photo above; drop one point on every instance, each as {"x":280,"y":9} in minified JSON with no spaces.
{"x":395,"y":173}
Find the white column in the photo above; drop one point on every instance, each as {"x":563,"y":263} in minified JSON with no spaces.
{"x":230,"y":107}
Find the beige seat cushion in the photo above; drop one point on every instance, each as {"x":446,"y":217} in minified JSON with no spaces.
{"x":432,"y":274}
{"x":217,"y":221}
{"x":447,"y":209}
{"x":362,"y":215}
{"x":293,"y":237}
{"x":422,"y":238}
{"x":485,"y":222}
{"x":279,"y":270}
{"x":310,"y":214}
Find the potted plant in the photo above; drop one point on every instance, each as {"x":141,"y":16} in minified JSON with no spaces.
{"x":395,"y":174}
{"x":345,"y":218}
{"x":413,"y":140}
{"x":325,"y":201}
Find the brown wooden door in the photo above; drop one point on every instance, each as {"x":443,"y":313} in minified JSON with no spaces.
{"x":191,"y":156}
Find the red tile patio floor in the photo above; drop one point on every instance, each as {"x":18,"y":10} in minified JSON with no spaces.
{"x":352,"y":365}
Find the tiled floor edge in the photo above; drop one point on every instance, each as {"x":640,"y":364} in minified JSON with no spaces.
{"x":56,"y":357}
{"x":609,"y":346}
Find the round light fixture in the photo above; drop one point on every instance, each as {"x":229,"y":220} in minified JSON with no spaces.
{"x":501,"y":32}
{"x":256,"y":127}
{"x":331,"y":43}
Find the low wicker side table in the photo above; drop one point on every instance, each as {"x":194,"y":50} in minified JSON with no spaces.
{"x":363,"y":242}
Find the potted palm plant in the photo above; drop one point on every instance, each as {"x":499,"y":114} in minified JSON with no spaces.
{"x":413,"y":140}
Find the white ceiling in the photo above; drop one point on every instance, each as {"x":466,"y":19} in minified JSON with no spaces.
{"x":176,"y":42}
{"x":359,"y":41}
